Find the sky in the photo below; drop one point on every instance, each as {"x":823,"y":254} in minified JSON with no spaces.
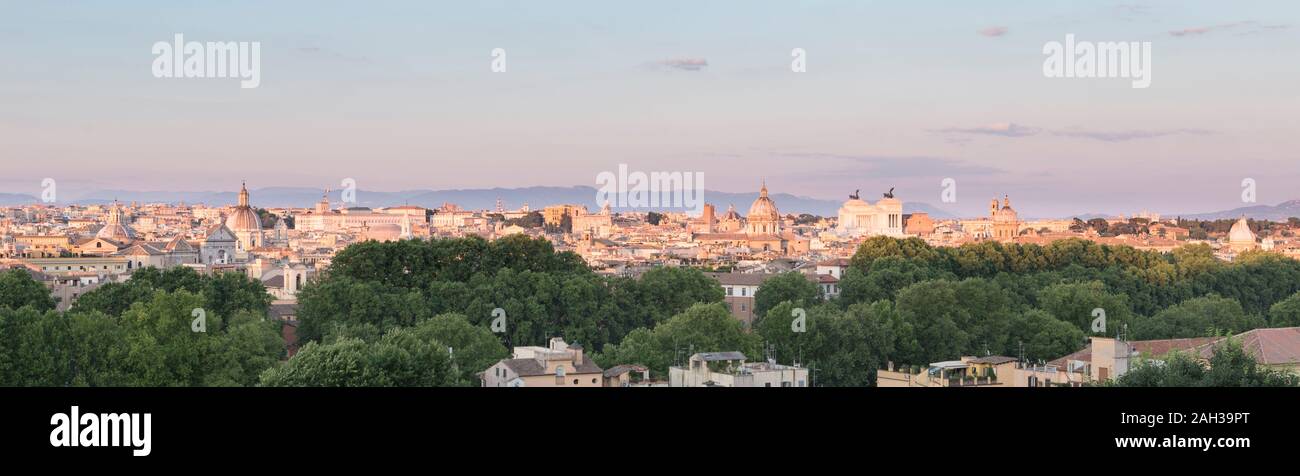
{"x":401,"y":95}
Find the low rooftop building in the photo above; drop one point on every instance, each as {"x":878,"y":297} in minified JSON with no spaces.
{"x":729,"y":369}
{"x":559,"y":364}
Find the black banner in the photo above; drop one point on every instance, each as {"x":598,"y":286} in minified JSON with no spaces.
{"x":228,"y":426}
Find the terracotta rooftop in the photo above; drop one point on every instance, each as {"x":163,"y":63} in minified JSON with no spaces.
{"x":1276,"y":346}
{"x":1147,"y":348}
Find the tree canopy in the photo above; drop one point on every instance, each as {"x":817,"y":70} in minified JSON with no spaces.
{"x":543,"y":293}
{"x":18,"y":290}
{"x":143,"y":333}
{"x":1229,"y":366}
{"x":700,"y":328}
{"x":1037,"y":302}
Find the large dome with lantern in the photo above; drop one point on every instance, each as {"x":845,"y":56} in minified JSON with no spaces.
{"x":243,"y":218}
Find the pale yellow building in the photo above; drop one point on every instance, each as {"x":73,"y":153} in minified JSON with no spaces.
{"x":45,"y":246}
{"x":554,"y":215}
{"x":1103,"y":359}
{"x":557,"y":365}
{"x":78,"y":265}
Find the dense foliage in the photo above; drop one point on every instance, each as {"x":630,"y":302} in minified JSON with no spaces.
{"x":374,"y":289}
{"x":421,"y":313}
{"x":18,"y":289}
{"x":701,"y":328}
{"x":1228,"y":366}
{"x":445,"y":350}
{"x":907,"y":302}
{"x":544,"y":294}
{"x":140,"y":333}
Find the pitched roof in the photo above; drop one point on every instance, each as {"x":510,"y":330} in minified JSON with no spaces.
{"x":827,"y":279}
{"x":282,"y":311}
{"x":1268,"y":346}
{"x":751,"y":279}
{"x":1148,"y":348}
{"x":841,"y":262}
{"x":140,"y":249}
{"x":115,"y":243}
{"x":216,"y":229}
{"x":622,"y":369}
{"x":276,"y":281}
{"x":178,"y":244}
{"x":532,"y":368}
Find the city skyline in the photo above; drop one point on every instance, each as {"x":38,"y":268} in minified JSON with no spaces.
{"x":541,"y":196}
{"x":406,"y":99}
{"x":310,"y":219}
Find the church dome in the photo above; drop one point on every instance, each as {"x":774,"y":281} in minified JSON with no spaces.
{"x":1240,"y":232}
{"x":119,"y":233}
{"x":114,"y":229}
{"x":731,"y":214}
{"x":1005,"y":212}
{"x":763,"y":208}
{"x":243,"y":218}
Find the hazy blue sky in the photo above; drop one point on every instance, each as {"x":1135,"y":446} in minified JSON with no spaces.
{"x":400,"y":95}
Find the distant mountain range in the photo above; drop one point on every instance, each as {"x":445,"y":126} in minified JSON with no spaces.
{"x":16,"y":199}
{"x":1279,"y":212}
{"x":470,"y":199}
{"x":537,"y":197}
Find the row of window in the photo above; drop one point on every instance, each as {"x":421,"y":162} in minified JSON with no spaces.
{"x":80,"y":268}
{"x":743,"y":291}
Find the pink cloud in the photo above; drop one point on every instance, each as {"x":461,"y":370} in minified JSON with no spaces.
{"x":994,"y":31}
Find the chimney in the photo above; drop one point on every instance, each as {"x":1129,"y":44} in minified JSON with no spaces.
{"x":577,"y":353}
